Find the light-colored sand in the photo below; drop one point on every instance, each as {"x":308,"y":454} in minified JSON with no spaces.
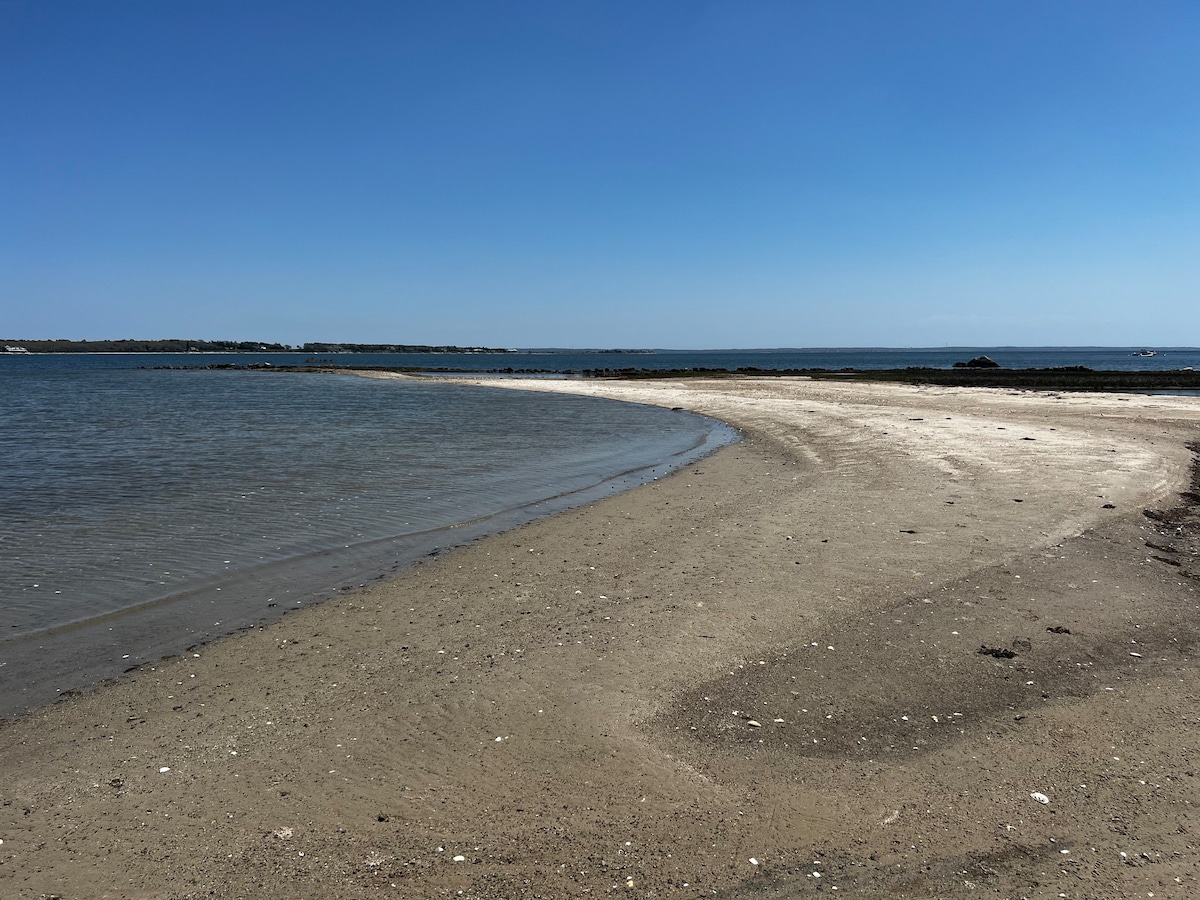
{"x":772,"y":654}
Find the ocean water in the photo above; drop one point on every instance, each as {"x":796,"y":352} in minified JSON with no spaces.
{"x":1115,"y":358}
{"x":144,"y":509}
{"x":122,"y":487}
{"x":567,"y":361}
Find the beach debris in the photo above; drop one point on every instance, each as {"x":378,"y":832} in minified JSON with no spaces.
{"x":282,"y":833}
{"x":890,"y":818}
{"x":754,"y":723}
{"x":1058,"y":629}
{"x":1136,"y":655}
{"x":753,"y":861}
{"x":1040,"y":798}
{"x":374,"y":860}
{"x":460,"y":858}
{"x":164,"y":769}
{"x":997,"y":652}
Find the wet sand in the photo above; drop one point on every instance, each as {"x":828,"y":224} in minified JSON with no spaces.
{"x":760,"y":676}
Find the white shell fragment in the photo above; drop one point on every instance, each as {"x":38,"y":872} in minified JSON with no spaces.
{"x":1040,"y":797}
{"x":164,"y":769}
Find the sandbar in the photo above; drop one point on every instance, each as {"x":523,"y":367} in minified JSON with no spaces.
{"x":901,"y":641}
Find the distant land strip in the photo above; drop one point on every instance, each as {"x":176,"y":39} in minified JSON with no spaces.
{"x":176,"y":345}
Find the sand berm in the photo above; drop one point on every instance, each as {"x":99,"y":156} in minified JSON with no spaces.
{"x":898,"y":642}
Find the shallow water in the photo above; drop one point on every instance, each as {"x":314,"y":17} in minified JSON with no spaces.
{"x":122,"y":488}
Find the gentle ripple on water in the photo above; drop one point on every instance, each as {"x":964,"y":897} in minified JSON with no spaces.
{"x":122,"y":487}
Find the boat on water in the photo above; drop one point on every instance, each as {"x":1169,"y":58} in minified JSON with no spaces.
{"x":1145,"y":353}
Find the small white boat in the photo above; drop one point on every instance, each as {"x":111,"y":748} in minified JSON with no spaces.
{"x":1145,"y":353}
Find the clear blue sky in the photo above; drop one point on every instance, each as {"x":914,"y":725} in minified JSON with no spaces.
{"x":653,"y":174}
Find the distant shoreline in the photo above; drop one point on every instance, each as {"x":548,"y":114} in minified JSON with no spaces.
{"x":172,"y":345}
{"x":9,"y":346}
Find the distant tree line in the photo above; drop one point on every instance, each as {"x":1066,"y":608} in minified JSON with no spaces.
{"x":129,"y":345}
{"x":174,"y":345}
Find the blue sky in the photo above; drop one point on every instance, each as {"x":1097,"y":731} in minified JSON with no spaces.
{"x":649,"y":174}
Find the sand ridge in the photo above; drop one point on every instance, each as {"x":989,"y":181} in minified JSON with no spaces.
{"x":757,"y":677}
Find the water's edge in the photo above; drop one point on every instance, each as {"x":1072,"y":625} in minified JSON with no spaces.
{"x":40,"y":667}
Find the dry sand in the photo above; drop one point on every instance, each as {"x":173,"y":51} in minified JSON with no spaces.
{"x":757,"y":677}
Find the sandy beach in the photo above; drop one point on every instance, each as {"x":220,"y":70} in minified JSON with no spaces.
{"x":898,"y":642}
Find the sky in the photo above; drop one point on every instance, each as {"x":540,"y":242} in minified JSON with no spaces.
{"x":602,"y":174}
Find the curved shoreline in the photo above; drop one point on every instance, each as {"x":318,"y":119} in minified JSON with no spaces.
{"x":538,"y":699}
{"x":40,"y":664}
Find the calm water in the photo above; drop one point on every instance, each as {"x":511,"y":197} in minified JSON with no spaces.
{"x":1119,"y":358}
{"x":123,"y":487}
